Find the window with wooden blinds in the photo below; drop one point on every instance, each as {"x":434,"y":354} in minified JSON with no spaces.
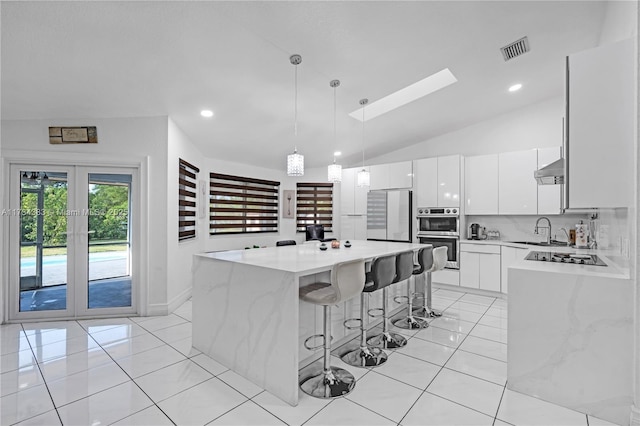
{"x":314,"y":205}
{"x":240,"y":205}
{"x":187,"y":198}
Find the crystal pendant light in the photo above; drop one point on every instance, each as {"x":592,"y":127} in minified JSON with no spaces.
{"x":334,"y":171}
{"x":363,"y":175}
{"x":295,"y":161}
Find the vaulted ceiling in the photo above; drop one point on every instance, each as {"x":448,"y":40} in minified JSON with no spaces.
{"x":90,"y":59}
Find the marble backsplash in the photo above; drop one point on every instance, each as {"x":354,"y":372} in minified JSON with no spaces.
{"x":611,"y":228}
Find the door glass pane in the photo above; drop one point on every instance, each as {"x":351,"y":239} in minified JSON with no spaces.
{"x":109,"y":268}
{"x":43,"y":241}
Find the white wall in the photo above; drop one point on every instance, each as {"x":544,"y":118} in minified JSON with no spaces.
{"x":180,"y":254}
{"x":4,"y":220}
{"x":121,"y":138}
{"x":287,"y":226}
{"x":620,"y":21}
{"x":535,"y":126}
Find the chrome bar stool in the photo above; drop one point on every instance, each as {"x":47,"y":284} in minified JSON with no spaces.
{"x":386,"y":339}
{"x":405,"y":270}
{"x":439,"y":260}
{"x":383,"y":271}
{"x":347,"y":281}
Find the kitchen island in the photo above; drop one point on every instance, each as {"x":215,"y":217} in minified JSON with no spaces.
{"x":246,"y":310}
{"x":570,"y":336}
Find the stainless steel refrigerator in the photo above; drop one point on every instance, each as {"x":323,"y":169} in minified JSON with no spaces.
{"x":389,"y":215}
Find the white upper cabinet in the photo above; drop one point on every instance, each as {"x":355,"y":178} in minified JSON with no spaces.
{"x":400,"y":175}
{"x":379,"y":177}
{"x":437,"y":181}
{"x":449,"y":181}
{"x":600,"y":113}
{"x":353,"y":199}
{"x":391,"y":175}
{"x":426,"y":182}
{"x":548,"y":195}
{"x":518,"y":190}
{"x":481,"y":184}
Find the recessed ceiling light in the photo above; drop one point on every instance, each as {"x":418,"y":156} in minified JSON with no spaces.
{"x":428,"y":85}
{"x":206,"y":113}
{"x":337,"y":153}
{"x":515,"y":87}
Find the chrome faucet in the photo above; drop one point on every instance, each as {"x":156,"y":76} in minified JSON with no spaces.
{"x":537,"y":231}
{"x":568,"y":237}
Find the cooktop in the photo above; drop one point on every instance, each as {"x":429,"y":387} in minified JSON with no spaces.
{"x":575,"y":258}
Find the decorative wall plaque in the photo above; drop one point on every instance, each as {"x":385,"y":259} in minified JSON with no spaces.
{"x":87,"y":134}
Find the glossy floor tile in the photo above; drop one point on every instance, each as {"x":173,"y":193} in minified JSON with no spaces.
{"x":144,"y":371}
{"x":432,"y":410}
{"x":517,"y":408}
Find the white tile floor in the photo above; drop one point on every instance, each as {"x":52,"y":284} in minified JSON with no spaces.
{"x":143,"y":371}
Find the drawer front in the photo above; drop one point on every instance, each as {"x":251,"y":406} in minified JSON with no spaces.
{"x":480,"y":248}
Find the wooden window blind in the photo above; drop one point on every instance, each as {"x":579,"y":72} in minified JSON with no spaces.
{"x":240,"y":205}
{"x":187,"y":198}
{"x":314,"y":205}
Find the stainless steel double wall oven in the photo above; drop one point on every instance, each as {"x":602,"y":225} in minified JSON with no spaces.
{"x":440,"y":226}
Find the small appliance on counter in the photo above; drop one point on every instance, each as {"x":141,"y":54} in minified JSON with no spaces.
{"x":477,"y":232}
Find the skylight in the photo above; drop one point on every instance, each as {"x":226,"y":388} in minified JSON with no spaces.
{"x":417,"y":90}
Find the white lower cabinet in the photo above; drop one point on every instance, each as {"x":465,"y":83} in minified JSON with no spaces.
{"x":480,"y":266}
{"x":509,"y":256}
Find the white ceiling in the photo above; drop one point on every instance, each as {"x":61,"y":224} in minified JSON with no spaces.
{"x":128,"y":59}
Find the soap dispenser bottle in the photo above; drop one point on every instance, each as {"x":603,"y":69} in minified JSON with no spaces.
{"x":582,"y":232}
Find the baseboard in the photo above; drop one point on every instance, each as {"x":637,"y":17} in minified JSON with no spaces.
{"x":471,"y":290}
{"x":157,"y":309}
{"x":177,"y":301}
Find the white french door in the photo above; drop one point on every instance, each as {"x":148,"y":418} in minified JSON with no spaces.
{"x":72,"y":241}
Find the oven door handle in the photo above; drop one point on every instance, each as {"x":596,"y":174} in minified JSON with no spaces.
{"x":451,"y":235}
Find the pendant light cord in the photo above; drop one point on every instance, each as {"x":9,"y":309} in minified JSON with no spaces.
{"x":335,"y":132}
{"x":363,"y":135}
{"x":295,"y":108}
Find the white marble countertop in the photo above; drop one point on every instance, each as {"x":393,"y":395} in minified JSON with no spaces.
{"x":612,"y":270}
{"x":308,"y":258}
{"x":617,"y":267}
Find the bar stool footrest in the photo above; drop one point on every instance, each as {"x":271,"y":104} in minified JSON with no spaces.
{"x":401,"y":299}
{"x":352,"y":327}
{"x":376,"y":314}
{"x":315,"y":336}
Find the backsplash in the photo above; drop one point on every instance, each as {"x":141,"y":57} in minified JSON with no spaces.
{"x":520,"y":228}
{"x":612,"y":228}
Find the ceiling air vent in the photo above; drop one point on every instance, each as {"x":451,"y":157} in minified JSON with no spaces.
{"x":517,"y":48}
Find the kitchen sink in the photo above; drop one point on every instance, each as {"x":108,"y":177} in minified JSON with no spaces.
{"x":541,"y":243}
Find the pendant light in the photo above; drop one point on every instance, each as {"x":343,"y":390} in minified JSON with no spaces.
{"x":334,"y":171}
{"x":295,"y":161}
{"x":363,"y":176}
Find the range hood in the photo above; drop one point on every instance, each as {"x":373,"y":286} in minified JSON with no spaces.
{"x":551,"y":174}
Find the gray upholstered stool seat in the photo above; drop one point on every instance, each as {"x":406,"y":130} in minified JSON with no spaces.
{"x":383,"y":271}
{"x":347,"y":281}
{"x":407,"y":270}
{"x":436,"y":263}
